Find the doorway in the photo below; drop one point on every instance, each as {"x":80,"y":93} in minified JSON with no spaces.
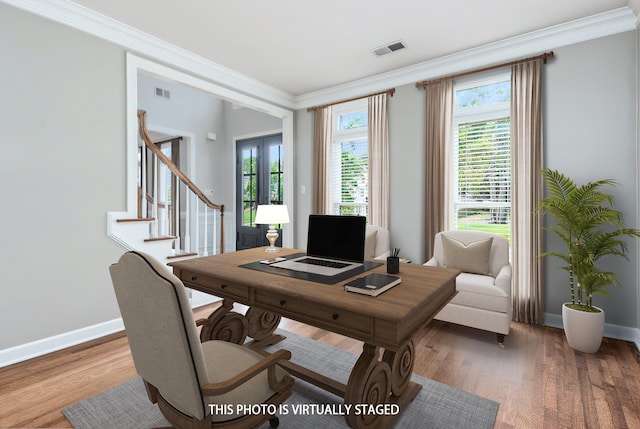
{"x":259,"y":180}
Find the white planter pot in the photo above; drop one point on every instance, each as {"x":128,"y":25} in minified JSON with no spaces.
{"x":582,"y":329}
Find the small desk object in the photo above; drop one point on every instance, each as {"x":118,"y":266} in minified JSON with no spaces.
{"x":387,"y":322}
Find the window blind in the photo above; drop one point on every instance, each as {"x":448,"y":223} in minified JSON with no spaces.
{"x":350,"y":177}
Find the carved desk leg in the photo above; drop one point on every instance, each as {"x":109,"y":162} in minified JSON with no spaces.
{"x":401,"y":364}
{"x":224,"y":324}
{"x":369,"y":383}
{"x":262,"y":325}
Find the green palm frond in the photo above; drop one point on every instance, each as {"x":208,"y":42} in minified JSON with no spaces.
{"x":590,"y":228}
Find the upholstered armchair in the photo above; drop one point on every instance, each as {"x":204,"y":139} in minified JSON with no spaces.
{"x":377,"y":242}
{"x":195,"y":385}
{"x":483,"y":300}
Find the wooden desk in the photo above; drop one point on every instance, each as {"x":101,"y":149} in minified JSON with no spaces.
{"x":388,"y":321}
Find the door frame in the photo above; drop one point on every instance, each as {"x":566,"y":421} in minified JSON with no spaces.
{"x":136,"y":64}
{"x":287,"y":229}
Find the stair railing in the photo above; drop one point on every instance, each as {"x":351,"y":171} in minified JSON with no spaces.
{"x":160,"y":207}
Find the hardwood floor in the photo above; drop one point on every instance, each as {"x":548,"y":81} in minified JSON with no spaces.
{"x":539,"y":381}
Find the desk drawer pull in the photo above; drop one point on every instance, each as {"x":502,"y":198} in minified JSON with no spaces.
{"x":335,"y":316}
{"x":194,"y":278}
{"x":283,"y":301}
{"x":223,"y":286}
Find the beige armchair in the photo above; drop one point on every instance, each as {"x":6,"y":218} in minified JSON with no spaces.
{"x":484,"y":287}
{"x":377,"y":242}
{"x":195,"y":385}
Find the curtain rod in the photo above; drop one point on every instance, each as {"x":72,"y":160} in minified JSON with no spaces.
{"x":544,"y":57}
{"x":390,"y":91}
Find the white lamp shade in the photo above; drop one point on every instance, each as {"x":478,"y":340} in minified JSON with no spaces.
{"x":272,"y":214}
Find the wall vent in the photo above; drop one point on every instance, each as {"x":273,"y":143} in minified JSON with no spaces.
{"x":164,"y":93}
{"x":387,"y":49}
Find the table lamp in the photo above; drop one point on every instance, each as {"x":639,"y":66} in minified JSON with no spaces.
{"x":272,"y":215}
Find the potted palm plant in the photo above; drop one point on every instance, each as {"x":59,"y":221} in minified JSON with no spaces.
{"x":591,"y":228}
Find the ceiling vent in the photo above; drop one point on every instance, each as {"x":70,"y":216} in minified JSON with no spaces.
{"x":387,"y":49}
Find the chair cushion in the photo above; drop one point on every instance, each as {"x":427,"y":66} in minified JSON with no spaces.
{"x":224,"y":360}
{"x":471,"y":257}
{"x":479,"y":291}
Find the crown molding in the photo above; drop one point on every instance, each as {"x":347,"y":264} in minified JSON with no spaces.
{"x":86,"y":20}
{"x":634,"y":5}
{"x":581,"y":30}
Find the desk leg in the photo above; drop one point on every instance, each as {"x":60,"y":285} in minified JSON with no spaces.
{"x":224,"y":324}
{"x":401,"y":364}
{"x":227,"y":325}
{"x":375,"y":382}
{"x":369,"y":383}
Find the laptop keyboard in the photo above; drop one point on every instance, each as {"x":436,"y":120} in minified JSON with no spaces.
{"x":323,"y":263}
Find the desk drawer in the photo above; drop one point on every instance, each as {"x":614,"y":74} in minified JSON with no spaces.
{"x":342,"y":321}
{"x":215,"y":286}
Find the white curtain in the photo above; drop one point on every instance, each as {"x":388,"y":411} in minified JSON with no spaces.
{"x":378,"y":137}
{"x":526,"y":192}
{"x":322,"y":137}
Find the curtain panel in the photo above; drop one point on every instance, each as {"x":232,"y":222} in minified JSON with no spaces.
{"x":378,"y":138}
{"x":526,"y":163}
{"x":438,"y":141}
{"x":322,"y":137}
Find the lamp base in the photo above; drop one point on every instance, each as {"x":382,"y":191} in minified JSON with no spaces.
{"x":272,"y":236}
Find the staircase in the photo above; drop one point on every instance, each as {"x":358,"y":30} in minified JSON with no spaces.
{"x":175,"y":219}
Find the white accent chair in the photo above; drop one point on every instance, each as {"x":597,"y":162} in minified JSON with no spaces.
{"x":483,"y":300}
{"x":377,"y":243}
{"x":181,"y":375}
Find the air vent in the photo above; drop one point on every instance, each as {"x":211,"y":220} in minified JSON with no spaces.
{"x":164,"y":93}
{"x":387,"y":49}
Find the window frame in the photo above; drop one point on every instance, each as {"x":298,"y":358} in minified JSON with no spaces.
{"x":338,"y":137}
{"x":475,"y":114}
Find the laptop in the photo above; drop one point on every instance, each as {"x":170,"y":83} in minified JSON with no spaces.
{"x":335,"y":244}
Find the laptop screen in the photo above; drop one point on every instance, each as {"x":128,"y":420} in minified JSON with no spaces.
{"x":339,"y":237}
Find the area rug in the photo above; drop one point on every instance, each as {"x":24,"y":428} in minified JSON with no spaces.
{"x":437,"y":406}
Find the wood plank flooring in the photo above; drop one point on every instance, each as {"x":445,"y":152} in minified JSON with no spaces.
{"x":539,"y":381}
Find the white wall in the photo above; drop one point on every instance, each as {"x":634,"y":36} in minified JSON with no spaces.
{"x":63,"y":152}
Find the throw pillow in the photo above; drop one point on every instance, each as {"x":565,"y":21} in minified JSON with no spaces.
{"x":471,"y":257}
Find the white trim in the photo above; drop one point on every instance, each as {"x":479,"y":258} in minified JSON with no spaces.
{"x":634,"y":5}
{"x":58,"y":342}
{"x":618,"y":332}
{"x":62,"y":341}
{"x":94,"y":23}
{"x":600,"y":25}
{"x":137,"y":64}
{"x":580,"y":30}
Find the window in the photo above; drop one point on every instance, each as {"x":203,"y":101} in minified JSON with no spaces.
{"x":481,"y":156}
{"x":349,"y":159}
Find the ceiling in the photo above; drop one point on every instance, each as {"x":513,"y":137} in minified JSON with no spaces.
{"x":304,"y":46}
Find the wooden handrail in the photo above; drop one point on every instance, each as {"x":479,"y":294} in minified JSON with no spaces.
{"x":144,"y":133}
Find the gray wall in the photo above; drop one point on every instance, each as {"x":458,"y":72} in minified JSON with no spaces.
{"x":62,"y":113}
{"x":63,"y":124}
{"x":188,"y":110}
{"x":590,"y":133}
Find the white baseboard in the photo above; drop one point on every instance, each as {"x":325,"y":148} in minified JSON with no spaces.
{"x":610,"y":331}
{"x":58,"y":342}
{"x":62,"y":341}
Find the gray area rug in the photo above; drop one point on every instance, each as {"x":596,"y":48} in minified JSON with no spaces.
{"x":437,"y":406}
